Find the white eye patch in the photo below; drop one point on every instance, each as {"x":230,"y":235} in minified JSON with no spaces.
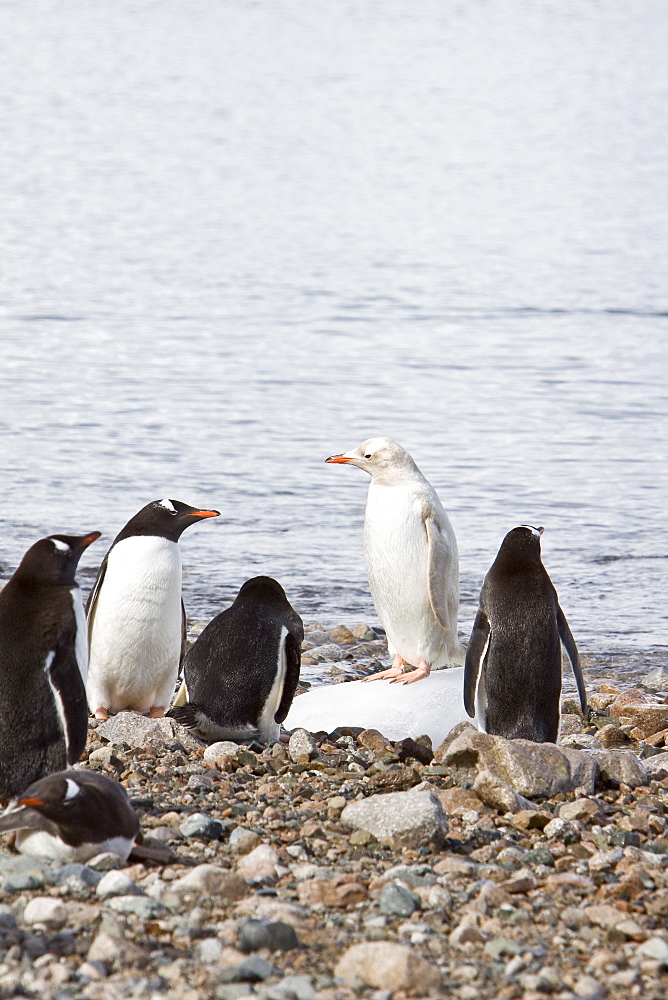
{"x":72,"y":789}
{"x":167,"y":505}
{"x":61,"y":546}
{"x":534,"y":531}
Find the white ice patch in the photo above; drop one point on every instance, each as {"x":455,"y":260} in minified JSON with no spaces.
{"x":72,"y":789}
{"x":167,"y":505}
{"x":61,"y":546}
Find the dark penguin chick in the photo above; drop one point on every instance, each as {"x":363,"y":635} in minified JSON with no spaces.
{"x":72,"y":816}
{"x":512,"y":676}
{"x":136,"y":619}
{"x":43,"y":661}
{"x":241,"y":674}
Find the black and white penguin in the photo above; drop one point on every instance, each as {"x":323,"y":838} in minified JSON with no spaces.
{"x":43,"y":661}
{"x":512,"y":675}
{"x":136,"y":618}
{"x":72,"y":816}
{"x":411,"y":559}
{"x":241,"y":674}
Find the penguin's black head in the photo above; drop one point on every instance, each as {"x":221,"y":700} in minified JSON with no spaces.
{"x":262,"y":586}
{"x":520,"y":547}
{"x":54,"y":560}
{"x":164,"y":518}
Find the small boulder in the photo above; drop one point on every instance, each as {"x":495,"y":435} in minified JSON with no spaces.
{"x":386,"y":965}
{"x":401,"y":819}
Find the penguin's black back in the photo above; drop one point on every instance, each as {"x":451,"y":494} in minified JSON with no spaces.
{"x":231,"y":668}
{"x":522,"y":665}
{"x":37,"y":618}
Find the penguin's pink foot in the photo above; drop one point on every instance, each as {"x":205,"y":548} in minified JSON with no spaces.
{"x":157,"y":712}
{"x":396,"y":670}
{"x":102,"y":713}
{"x":418,"y":674}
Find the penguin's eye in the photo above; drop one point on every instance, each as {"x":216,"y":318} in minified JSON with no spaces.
{"x":367,"y":456}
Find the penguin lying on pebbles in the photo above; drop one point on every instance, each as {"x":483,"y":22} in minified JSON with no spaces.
{"x":241,"y":674}
{"x":512,"y":674}
{"x":43,"y":661}
{"x":411,"y":560}
{"x":136,"y":619}
{"x":72,"y":816}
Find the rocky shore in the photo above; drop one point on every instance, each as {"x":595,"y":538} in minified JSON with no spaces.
{"x":342,"y":865}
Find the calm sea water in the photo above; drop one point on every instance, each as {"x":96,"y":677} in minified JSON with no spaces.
{"x":237,"y":238}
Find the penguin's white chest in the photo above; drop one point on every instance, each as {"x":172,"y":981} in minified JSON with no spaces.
{"x":397,"y":553}
{"x":135,"y":626}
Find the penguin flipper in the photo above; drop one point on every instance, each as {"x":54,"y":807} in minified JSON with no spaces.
{"x":573,"y":655}
{"x":438,"y":557}
{"x":475,"y":655}
{"x":24,"y":818}
{"x":69,"y":696}
{"x":184,"y":635}
{"x":293,"y":658}
{"x":93,"y":596}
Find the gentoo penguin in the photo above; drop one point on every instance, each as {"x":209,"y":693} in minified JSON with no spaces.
{"x":512,"y":675}
{"x":72,"y":816}
{"x":136,"y":619}
{"x":43,"y":660}
{"x":411,"y":561}
{"x":241,"y":674}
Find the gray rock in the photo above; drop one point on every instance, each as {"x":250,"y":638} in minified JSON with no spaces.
{"x":232,"y":991}
{"x":534,"y":770}
{"x":589,"y":988}
{"x":622,"y":767}
{"x":659,"y":762}
{"x":302,"y":744}
{"x":21,"y":881}
{"x":401,"y":819}
{"x":208,"y":951}
{"x":117,"y":884}
{"x":580,"y":741}
{"x":243,"y":841}
{"x":655,"y":948}
{"x":76,"y":875}
{"x":329,"y":651}
{"x":140,"y":731}
{"x":107,"y":861}
{"x":7,"y":919}
{"x":498,"y":794}
{"x":202,"y":827}
{"x":272,"y":934}
{"x":290,"y":988}
{"x":656,"y":680}
{"x":140,"y":906}
{"x":45,"y":910}
{"x":260,"y":865}
{"x":252,"y":970}
{"x":415,"y":876}
{"x":223,"y":747}
{"x":397,"y":901}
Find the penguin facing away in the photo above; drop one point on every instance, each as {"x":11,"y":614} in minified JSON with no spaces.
{"x":512,"y":675}
{"x":43,"y":662}
{"x":72,"y":816}
{"x":136,"y":618}
{"x":411,"y":560}
{"x":242,"y":672}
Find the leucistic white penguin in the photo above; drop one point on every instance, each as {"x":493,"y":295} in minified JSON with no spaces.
{"x":136,"y":618}
{"x":411,"y":561}
{"x":43,"y":661}
{"x":72,"y":816}
{"x":512,"y":676}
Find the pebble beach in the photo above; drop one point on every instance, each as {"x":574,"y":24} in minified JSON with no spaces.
{"x":343,"y":865}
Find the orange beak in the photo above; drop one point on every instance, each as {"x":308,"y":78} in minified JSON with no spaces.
{"x":31,"y":802}
{"x":89,"y":539}
{"x":337,"y":460}
{"x":205,"y":513}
